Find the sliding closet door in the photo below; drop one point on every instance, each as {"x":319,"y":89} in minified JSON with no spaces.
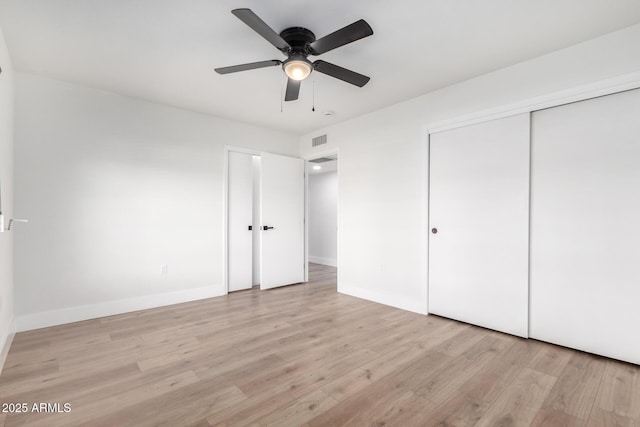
{"x":585,"y":226}
{"x":478,"y":211}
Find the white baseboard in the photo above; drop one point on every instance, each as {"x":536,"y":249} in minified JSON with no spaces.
{"x":92,"y":311}
{"x":6,"y":338}
{"x":396,"y":301}
{"x":323,"y":261}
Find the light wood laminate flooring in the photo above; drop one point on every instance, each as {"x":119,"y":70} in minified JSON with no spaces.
{"x":306,"y":355}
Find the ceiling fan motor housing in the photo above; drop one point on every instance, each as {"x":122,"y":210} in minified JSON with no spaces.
{"x":299,"y":39}
{"x":297,"y":66}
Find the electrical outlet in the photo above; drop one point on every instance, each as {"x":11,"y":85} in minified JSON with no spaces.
{"x":165,"y":271}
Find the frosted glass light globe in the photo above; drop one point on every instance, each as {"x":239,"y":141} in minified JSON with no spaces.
{"x":297,"y":69}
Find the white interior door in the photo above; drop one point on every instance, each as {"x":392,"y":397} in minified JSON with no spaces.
{"x":282,"y":251}
{"x":240,"y":217}
{"x":585,"y":225}
{"x":479,"y":224}
{"x":257,"y":204}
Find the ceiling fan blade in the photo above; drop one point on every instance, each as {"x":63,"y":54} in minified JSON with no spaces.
{"x":356,"y":31}
{"x":293,"y":89}
{"x":250,"y":66}
{"x":341,"y":73}
{"x":259,"y":26}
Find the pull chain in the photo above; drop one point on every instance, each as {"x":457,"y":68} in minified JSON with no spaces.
{"x":281,"y":93}
{"x":313,"y":107}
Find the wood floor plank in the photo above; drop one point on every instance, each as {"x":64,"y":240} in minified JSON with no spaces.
{"x":460,"y":410}
{"x":307,"y":355}
{"x":495,"y":376}
{"x":430,"y":333}
{"x":551,"y":359}
{"x":85,"y":409}
{"x":461,"y":341}
{"x":519,"y":404}
{"x":322,"y":368}
{"x":260,"y":405}
{"x":299,"y":410}
{"x":439,"y":385}
{"x":186,"y":406}
{"x":575,"y":391}
{"x":552,"y":417}
{"x":388,"y":388}
{"x":601,"y":418}
{"x":67,"y":387}
{"x":407,"y":409}
{"x":196,"y":350}
{"x":363,"y":376}
{"x":15,"y":374}
{"x":619,"y":390}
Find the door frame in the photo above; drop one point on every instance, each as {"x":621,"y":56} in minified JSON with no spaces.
{"x":225,"y":209}
{"x":307,"y":157}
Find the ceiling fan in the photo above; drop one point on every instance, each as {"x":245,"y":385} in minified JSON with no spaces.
{"x":297,"y":43}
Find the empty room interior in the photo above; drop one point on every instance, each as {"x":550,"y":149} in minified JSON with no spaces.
{"x":296,"y":213}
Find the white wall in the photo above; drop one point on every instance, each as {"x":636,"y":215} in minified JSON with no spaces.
{"x":6,"y":181}
{"x":383,"y":185}
{"x":323,"y":218}
{"x":114,"y":189}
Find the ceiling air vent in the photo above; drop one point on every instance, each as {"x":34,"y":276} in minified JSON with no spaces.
{"x":319,"y":140}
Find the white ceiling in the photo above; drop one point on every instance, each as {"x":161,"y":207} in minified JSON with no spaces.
{"x":165,"y":50}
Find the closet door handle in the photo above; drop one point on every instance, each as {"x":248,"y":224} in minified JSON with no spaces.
{"x":266,"y":227}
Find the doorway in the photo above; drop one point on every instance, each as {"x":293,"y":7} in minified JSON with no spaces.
{"x":265,"y":239}
{"x":323,"y":214}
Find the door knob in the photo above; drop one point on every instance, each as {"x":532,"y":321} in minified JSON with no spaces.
{"x":434,"y":230}
{"x":266,"y":227}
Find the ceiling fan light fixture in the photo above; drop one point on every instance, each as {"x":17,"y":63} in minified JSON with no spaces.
{"x":297,"y":68}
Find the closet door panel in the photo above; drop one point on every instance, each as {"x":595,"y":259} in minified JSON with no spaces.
{"x":478,"y":221}
{"x":585,"y":226}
